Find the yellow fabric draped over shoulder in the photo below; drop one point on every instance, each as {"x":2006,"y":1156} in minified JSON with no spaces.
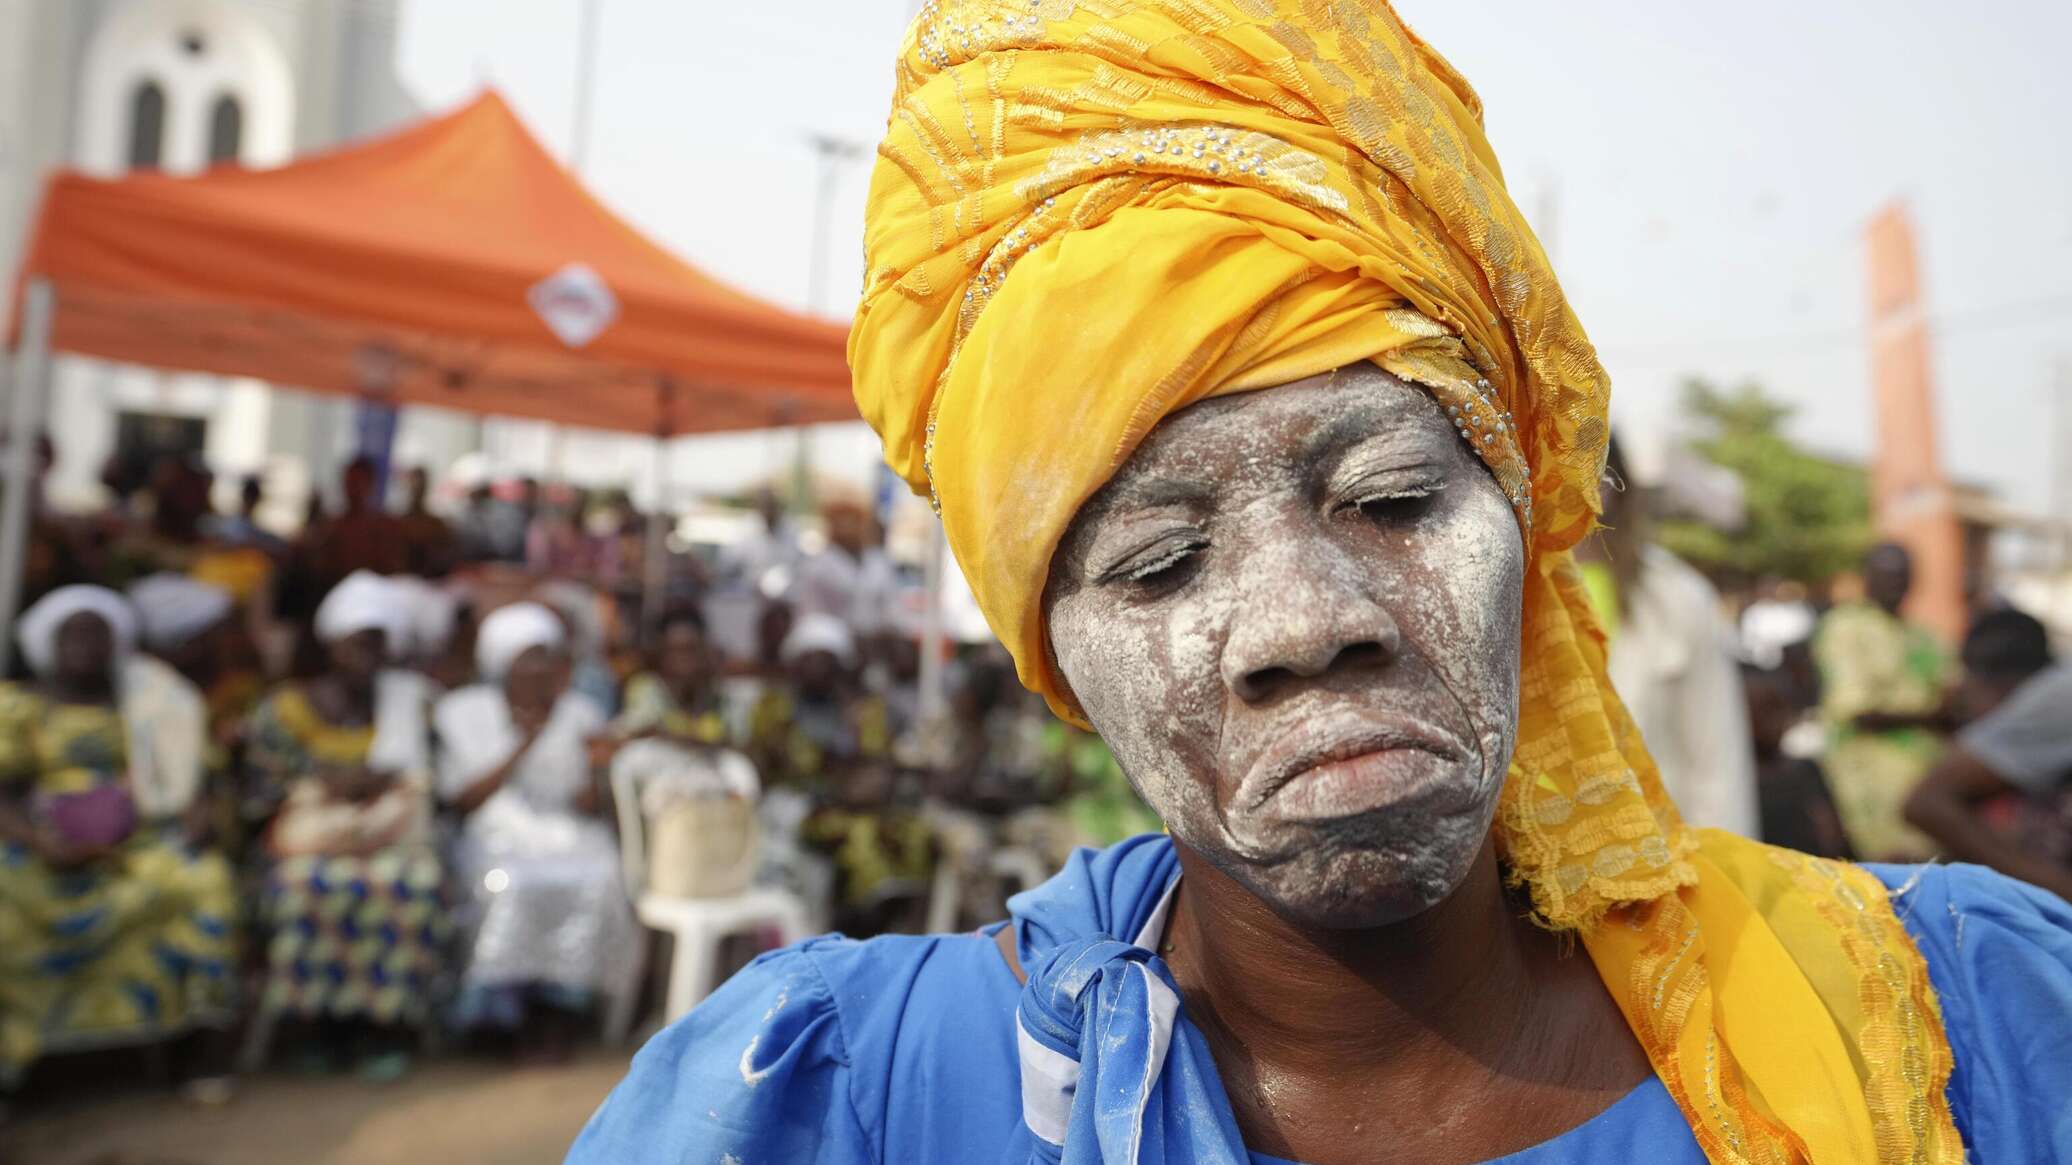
{"x":1089,"y":214}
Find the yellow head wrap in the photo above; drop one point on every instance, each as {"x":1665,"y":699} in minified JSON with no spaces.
{"x":1088,"y":215}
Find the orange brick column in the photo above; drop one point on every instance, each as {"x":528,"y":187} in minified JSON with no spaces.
{"x":1911,"y":501}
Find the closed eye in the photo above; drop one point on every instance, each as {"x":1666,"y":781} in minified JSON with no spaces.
{"x":1395,"y":503}
{"x":1162,"y":565}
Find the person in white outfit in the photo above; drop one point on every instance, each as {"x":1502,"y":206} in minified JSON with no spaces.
{"x":1672,"y":661}
{"x":549,"y":925}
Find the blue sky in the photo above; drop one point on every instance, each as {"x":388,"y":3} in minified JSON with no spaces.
{"x":1701,"y":173}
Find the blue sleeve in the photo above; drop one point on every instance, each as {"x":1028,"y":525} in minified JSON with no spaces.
{"x":758,"y":1073}
{"x":1999,"y":953}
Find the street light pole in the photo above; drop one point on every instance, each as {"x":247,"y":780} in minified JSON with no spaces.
{"x":592,"y":20}
{"x":829,"y":152}
{"x":586,"y":84}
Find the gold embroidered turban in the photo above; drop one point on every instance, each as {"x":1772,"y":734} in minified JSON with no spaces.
{"x":1088,"y":215}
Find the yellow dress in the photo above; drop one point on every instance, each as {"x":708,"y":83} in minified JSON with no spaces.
{"x":133,"y":948}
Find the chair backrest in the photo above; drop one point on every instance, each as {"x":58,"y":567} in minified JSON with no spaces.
{"x":628,"y":778}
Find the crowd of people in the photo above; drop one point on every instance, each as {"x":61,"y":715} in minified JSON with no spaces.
{"x":353,"y":786}
{"x":341,"y":790}
{"x":1838,"y":727}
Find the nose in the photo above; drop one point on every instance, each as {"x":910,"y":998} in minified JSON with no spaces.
{"x":1287,"y":629}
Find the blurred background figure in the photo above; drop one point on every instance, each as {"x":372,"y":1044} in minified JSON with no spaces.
{"x":767,"y":561}
{"x":360,"y":537}
{"x":117,"y":919}
{"x":1776,"y":620}
{"x":851,"y":579}
{"x":355,"y":923}
{"x":241,"y":527}
{"x":1883,"y":684}
{"x":1671,"y":660}
{"x":1798,"y":809}
{"x":550,"y":932}
{"x":430,"y":547}
{"x":677,"y":697}
{"x":554,"y":542}
{"x":2013,"y":755}
{"x":806,"y":732}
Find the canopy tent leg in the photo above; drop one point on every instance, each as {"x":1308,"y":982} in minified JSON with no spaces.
{"x":654,"y":586}
{"x":25,"y":411}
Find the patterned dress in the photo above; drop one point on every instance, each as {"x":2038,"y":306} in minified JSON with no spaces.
{"x":132,"y":948}
{"x":354,"y":900}
{"x":651,"y":707}
{"x":1871,"y":661}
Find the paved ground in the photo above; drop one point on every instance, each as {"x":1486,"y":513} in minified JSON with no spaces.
{"x":453,"y":1112}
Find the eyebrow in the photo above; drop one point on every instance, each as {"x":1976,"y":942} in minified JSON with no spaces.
{"x":1162,"y":491}
{"x":1339,"y":433}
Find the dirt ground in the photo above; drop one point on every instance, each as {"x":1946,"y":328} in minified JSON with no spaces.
{"x":463,"y":1111}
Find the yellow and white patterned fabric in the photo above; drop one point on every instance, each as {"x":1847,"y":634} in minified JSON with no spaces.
{"x":1089,"y":214}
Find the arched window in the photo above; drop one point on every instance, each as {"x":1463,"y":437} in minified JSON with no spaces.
{"x":226,"y":130}
{"x":147,"y":126}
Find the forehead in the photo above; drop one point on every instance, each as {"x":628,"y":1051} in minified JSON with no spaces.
{"x":83,"y":621}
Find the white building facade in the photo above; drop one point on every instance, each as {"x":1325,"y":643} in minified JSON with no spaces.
{"x":107,"y":86}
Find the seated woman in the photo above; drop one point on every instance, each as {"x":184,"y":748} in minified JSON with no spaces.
{"x":354,"y":903}
{"x":806,"y":732}
{"x":677,"y":698}
{"x":1261,"y":428}
{"x":669,"y":740}
{"x":549,"y":926}
{"x":115,"y":924}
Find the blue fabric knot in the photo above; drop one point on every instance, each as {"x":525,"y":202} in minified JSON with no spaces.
{"x":1109,"y":1074}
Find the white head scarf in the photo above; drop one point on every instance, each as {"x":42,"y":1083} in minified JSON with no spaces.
{"x":511,"y":632}
{"x":173,"y":607}
{"x":364,"y":602}
{"x":38,"y":627}
{"x":819,"y":631}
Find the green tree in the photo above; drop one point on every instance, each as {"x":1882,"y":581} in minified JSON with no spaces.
{"x":1805,"y":517}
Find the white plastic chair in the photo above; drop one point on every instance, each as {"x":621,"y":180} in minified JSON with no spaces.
{"x":699,"y":925}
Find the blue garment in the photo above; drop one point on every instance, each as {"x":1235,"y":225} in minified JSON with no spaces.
{"x":911,"y":1049}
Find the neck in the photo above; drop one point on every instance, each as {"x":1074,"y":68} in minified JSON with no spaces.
{"x":1456,"y":986}
{"x":358,"y":692}
{"x":81,"y":689}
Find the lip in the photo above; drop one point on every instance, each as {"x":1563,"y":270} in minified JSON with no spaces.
{"x":1380,"y":759}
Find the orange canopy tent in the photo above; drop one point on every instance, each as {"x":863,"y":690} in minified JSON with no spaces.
{"x":453,"y":264}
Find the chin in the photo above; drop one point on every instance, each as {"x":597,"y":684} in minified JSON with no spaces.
{"x":1365,"y":873}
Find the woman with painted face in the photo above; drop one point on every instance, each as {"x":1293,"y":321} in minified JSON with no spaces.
{"x":115,"y":924}
{"x":356,"y":912}
{"x":548,"y":926}
{"x":1263,"y":433}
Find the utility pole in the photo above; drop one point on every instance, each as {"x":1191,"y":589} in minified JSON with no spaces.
{"x":592,"y":20}
{"x":586,"y":84}
{"x":829,"y":153}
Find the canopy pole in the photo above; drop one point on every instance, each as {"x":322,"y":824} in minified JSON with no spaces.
{"x":25,"y":408}
{"x":654,"y":585}
{"x":934,"y":697}
{"x":654,"y":577}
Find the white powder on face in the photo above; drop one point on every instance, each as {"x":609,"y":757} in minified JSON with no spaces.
{"x":1288,"y":579}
